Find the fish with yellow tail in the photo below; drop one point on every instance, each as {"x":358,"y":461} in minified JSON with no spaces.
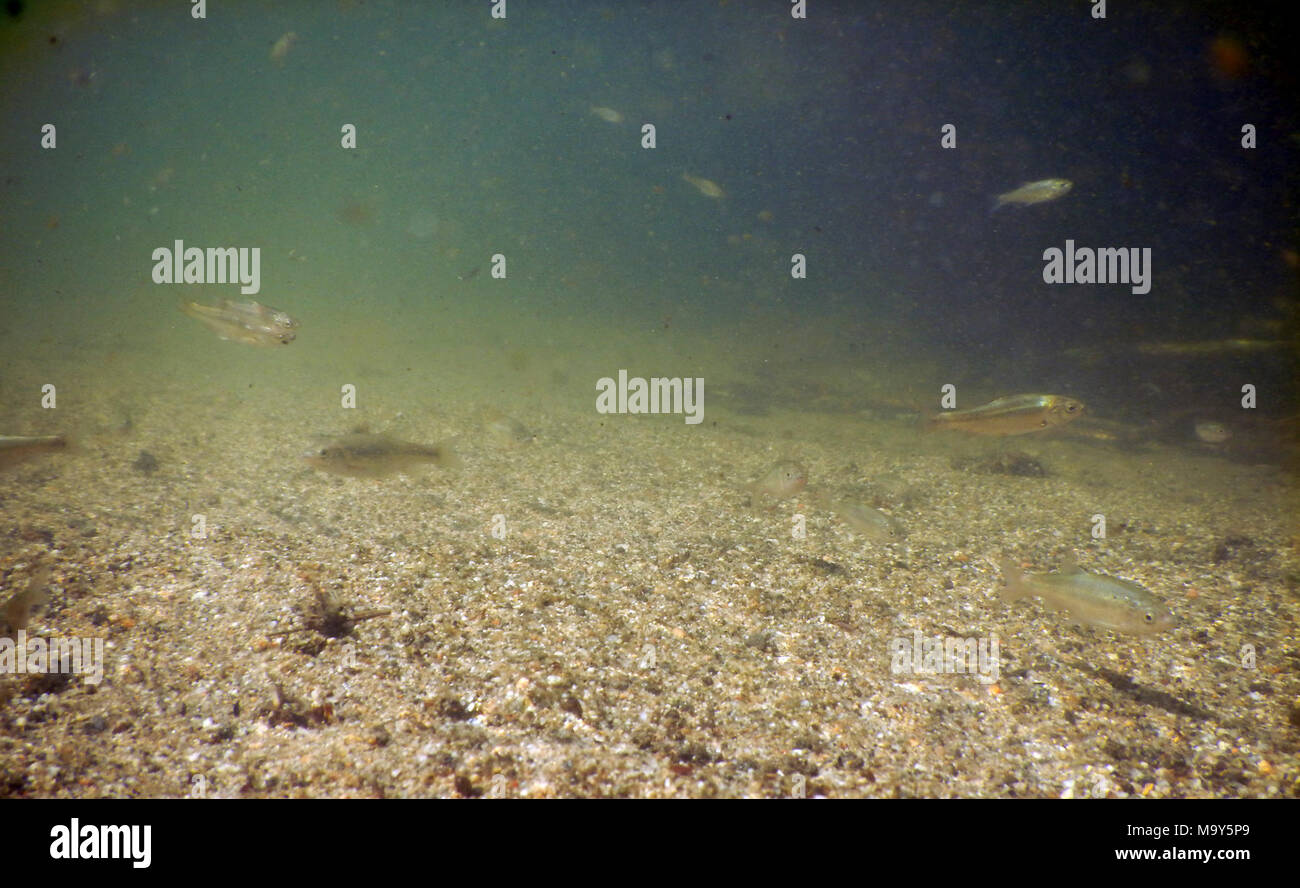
{"x":1013,"y":415}
{"x":1034,"y":193}
{"x":1091,"y":599}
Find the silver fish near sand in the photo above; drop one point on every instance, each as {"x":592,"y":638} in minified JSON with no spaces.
{"x":19,"y":609}
{"x":1014,"y":415}
{"x":1035,"y":192}
{"x":505,"y":430}
{"x":1091,"y":599}
{"x":782,"y":481}
{"x":364,"y":455}
{"x":864,"y":520}
{"x":249,"y":322}
{"x":17,"y":448}
{"x":1212,"y":433}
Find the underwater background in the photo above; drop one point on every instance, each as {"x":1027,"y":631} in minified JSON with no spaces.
{"x":591,"y":603}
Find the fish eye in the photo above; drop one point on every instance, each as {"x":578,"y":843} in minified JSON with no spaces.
{"x":1149,"y":617}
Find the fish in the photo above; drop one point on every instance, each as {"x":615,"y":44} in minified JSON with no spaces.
{"x":1013,"y":415}
{"x":782,"y":481}
{"x":609,"y":115}
{"x":249,"y":322}
{"x":1210,"y":348}
{"x":366,"y":455}
{"x":1207,"y":348}
{"x":17,"y":448}
{"x":282,"y":46}
{"x":19,"y":609}
{"x":707,"y":187}
{"x":1035,"y":192}
{"x":1212,"y":433}
{"x":870,"y":523}
{"x":1092,"y":599}
{"x":505,"y":430}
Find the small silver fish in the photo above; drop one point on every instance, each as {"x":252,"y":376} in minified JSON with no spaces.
{"x":505,"y":430}
{"x":1091,"y":599}
{"x":1210,"y":348}
{"x":364,"y":455}
{"x":609,"y":115}
{"x":707,"y":187}
{"x":282,"y":46}
{"x":1212,"y":433}
{"x":16,"y":448}
{"x":870,"y":523}
{"x":1035,"y":192}
{"x":249,"y":322}
{"x":19,"y":609}
{"x":782,"y":481}
{"x":1013,"y":415}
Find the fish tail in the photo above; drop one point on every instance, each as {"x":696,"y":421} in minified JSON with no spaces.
{"x":1015,"y":587}
{"x":997,"y":205}
{"x":446,"y":457}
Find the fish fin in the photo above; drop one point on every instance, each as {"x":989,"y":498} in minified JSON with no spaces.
{"x":1015,"y":587}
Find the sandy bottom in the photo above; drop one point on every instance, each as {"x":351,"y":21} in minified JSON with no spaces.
{"x":634,"y":626}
